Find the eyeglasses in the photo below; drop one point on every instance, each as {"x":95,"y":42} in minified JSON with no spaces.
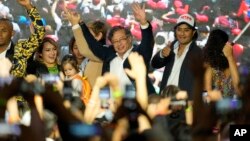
{"x":123,"y":39}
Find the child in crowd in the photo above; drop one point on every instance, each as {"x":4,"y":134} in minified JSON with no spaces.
{"x":80,"y":84}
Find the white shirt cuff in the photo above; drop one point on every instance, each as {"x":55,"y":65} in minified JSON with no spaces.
{"x":144,"y":26}
{"x":75,"y":26}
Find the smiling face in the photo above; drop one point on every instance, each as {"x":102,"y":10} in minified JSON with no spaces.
{"x":184,"y":34}
{"x":121,"y":42}
{"x":49,"y":54}
{"x":6,"y":32}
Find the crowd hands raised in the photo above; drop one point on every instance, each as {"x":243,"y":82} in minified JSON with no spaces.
{"x":42,"y":99}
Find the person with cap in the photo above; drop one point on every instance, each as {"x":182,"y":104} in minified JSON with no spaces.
{"x":177,"y":55}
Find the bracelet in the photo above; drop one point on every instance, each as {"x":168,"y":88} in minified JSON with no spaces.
{"x":117,"y":94}
{"x":189,"y":109}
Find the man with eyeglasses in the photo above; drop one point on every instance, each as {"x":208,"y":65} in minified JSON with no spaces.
{"x":115,"y":56}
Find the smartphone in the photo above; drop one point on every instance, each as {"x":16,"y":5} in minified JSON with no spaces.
{"x":178,"y":103}
{"x":50,"y":78}
{"x":130,"y":91}
{"x":104,"y":95}
{"x":84,"y":130}
{"x":67,"y":90}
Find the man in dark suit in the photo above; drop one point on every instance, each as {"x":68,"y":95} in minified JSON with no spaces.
{"x":115,"y":56}
{"x":176,"y":56}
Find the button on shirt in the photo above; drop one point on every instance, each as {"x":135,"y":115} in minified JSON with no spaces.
{"x":175,"y":72}
{"x":116,"y":68}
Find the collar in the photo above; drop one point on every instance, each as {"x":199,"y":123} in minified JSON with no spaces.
{"x":8,"y":46}
{"x":176,"y":46}
{"x":126,"y":54}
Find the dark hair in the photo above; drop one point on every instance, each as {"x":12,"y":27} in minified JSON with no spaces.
{"x":99,"y":27}
{"x":7,"y":21}
{"x":181,"y":132}
{"x":117,"y":28}
{"x":213,"y":53}
{"x":69,"y":58}
{"x":51,"y":41}
{"x":154,"y":99}
{"x":131,"y":109}
{"x":71,"y":44}
{"x":45,"y":40}
{"x":195,"y":37}
{"x":170,"y":91}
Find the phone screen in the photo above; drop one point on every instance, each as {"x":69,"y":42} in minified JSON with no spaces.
{"x":84,"y":130}
{"x":67,"y":89}
{"x":50,"y":78}
{"x":104,"y":93}
{"x":130,"y":91}
{"x":104,"y":96}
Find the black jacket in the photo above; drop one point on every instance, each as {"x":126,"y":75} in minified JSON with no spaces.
{"x":186,"y":78}
{"x":37,"y":68}
{"x":107,"y":54}
{"x":10,"y":52}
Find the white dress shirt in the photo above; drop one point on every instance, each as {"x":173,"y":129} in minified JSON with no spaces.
{"x":116,"y":68}
{"x":175,"y":73}
{"x":3,"y":54}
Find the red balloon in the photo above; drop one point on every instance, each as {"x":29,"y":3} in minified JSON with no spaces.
{"x":237,"y":50}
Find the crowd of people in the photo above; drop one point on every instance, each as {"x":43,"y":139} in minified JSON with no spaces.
{"x":104,"y":85}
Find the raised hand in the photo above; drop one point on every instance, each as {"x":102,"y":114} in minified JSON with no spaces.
{"x":138,"y":68}
{"x":228,"y":50}
{"x":72,"y":16}
{"x":25,"y":3}
{"x":166,"y":50}
{"x":139,"y":13}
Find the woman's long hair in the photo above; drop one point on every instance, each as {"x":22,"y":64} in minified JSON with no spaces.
{"x":213,"y":54}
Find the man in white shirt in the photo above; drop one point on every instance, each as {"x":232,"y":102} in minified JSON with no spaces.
{"x":115,"y":56}
{"x":175,"y":57}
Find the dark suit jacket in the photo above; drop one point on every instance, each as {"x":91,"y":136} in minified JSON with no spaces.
{"x":186,"y":78}
{"x":107,"y":54}
{"x":10,"y":52}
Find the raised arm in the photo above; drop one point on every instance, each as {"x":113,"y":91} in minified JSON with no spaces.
{"x":101,"y":51}
{"x":228,"y":52}
{"x":138,"y":72}
{"x":83,"y":47}
{"x":147,"y":43}
{"x":25,"y":48}
{"x":56,"y":18}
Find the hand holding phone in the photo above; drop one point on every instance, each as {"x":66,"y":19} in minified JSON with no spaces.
{"x":130,"y":92}
{"x":104,"y":96}
{"x":67,"y":90}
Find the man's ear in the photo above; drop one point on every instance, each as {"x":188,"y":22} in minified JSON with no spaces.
{"x":130,"y":39}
